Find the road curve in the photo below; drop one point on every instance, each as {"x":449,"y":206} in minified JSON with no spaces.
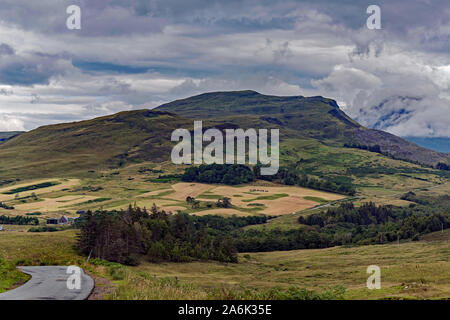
{"x":49,"y":283}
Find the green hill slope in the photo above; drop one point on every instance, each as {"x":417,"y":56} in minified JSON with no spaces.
{"x":99,"y":143}
{"x":313,"y":132}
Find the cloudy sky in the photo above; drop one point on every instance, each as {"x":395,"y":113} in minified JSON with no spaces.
{"x":141,"y":53}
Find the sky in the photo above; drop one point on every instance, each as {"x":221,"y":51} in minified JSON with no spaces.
{"x":139,"y":54}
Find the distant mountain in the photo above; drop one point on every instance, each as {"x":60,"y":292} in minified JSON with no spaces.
{"x":437,"y":144}
{"x":308,"y":117}
{"x":8,"y":135}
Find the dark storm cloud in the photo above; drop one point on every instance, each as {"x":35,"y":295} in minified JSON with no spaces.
{"x":6,"y":50}
{"x":101,"y":18}
{"x":112,"y":17}
{"x":30,"y":68}
{"x":137,"y":53}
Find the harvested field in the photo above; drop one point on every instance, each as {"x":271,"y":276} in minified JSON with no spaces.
{"x":222,"y":212}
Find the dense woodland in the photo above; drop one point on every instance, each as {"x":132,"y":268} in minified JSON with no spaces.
{"x":233,"y":174}
{"x":230,"y":174}
{"x":443,"y":166}
{"x":344,"y":225}
{"x":128,"y":236}
{"x":375,"y":148}
{"x":377,"y":224}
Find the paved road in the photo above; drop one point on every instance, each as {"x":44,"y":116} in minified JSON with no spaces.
{"x":330,"y":203}
{"x":49,"y":283}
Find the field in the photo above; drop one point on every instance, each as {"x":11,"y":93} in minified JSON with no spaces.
{"x":408,"y":269}
{"x":117,"y":191}
{"x":118,"y":188}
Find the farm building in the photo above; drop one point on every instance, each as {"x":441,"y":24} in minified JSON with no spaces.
{"x":63,"y":220}
{"x":52,"y":221}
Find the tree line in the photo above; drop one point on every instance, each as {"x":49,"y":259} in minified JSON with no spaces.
{"x":344,"y":225}
{"x":288,"y":176}
{"x":373,"y":148}
{"x":127,"y":236}
{"x":134,"y":234}
{"x":233,"y":174}
{"x":443,"y":166}
{"x":230,"y":174}
{"x":377,"y":224}
{"x":19,"y":220}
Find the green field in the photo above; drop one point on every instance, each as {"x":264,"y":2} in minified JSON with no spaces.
{"x":408,"y":270}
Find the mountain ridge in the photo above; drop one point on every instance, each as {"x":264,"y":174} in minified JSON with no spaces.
{"x":301,"y":109}
{"x":144,"y":135}
{"x":440,"y":144}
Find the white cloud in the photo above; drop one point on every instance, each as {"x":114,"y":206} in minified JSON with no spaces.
{"x":396,"y":79}
{"x":10,"y":123}
{"x":405,"y":93}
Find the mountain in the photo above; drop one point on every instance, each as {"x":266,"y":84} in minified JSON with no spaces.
{"x":437,"y":144}
{"x":313,"y":117}
{"x":307,"y":117}
{"x":311,"y":128}
{"x":4,"y":136}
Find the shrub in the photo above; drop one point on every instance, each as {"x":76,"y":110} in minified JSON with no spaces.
{"x":44,"y":229}
{"x":117,"y":272}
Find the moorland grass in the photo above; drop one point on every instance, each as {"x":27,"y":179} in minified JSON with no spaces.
{"x":10,"y":276}
{"x":418,"y":270}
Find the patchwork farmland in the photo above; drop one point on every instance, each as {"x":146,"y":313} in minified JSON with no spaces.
{"x":66,"y":196}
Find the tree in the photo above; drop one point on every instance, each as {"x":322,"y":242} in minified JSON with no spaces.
{"x":224,"y":202}
{"x":190,"y":199}
{"x":195,"y":204}
{"x":442,"y":166}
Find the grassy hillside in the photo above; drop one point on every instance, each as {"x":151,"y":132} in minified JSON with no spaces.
{"x":4,"y":136}
{"x":75,"y":148}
